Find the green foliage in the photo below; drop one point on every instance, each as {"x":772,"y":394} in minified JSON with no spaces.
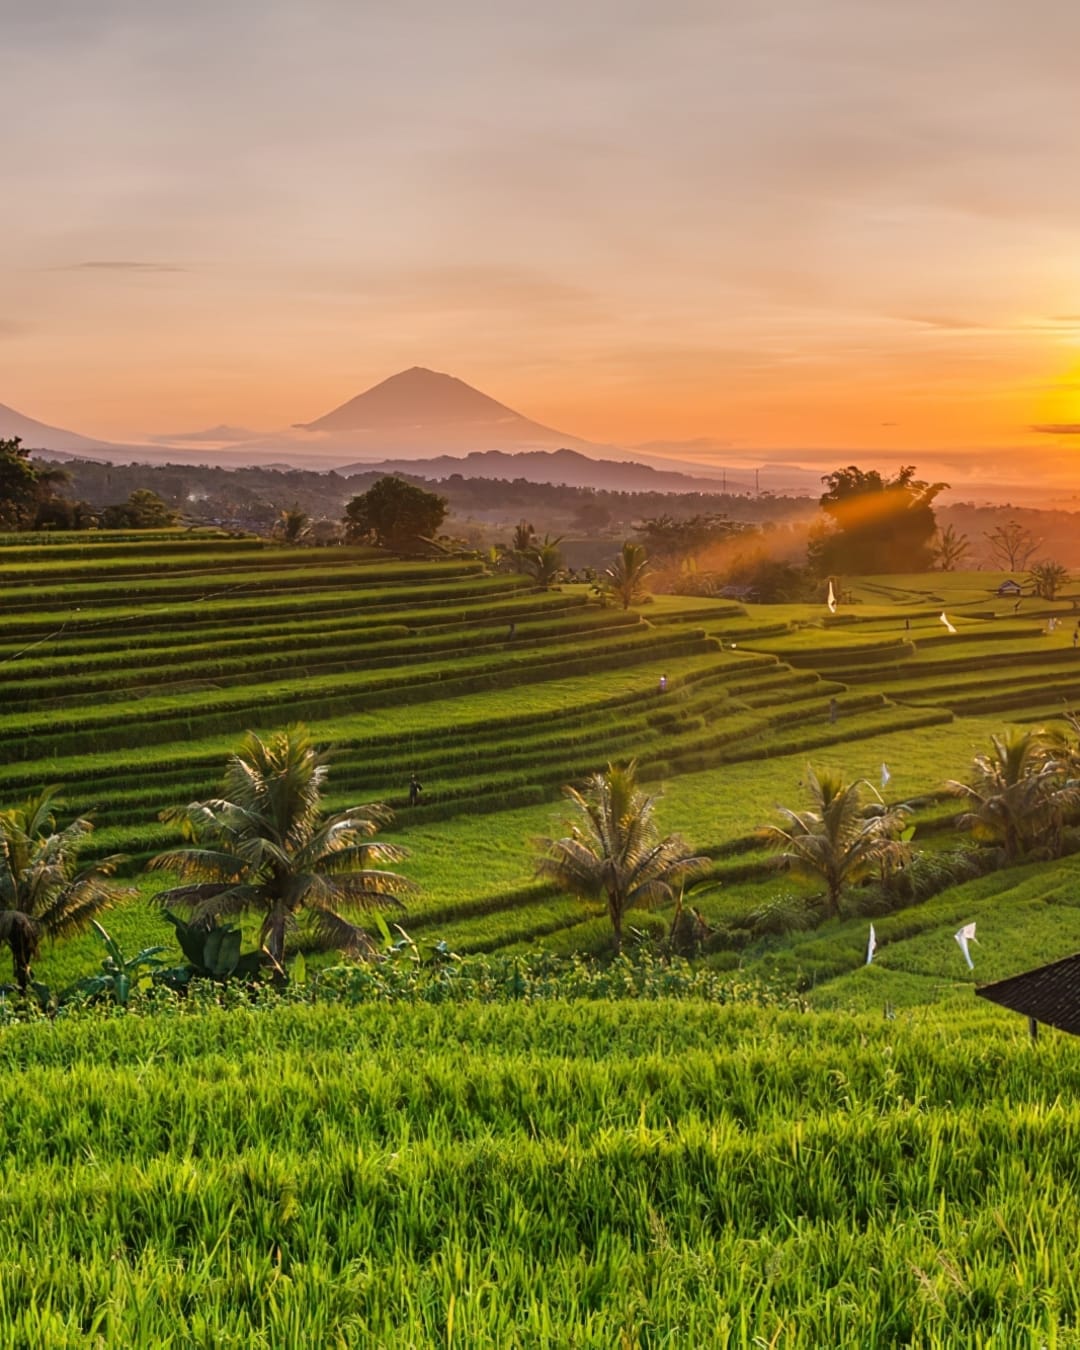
{"x":264,"y":846}
{"x":143,"y":510}
{"x":43,"y":890}
{"x":648,"y":1171}
{"x":1047,"y":578}
{"x":877,"y":524}
{"x":626,"y":580}
{"x":120,"y":976}
{"x":542,"y":560}
{"x":1022,"y":795}
{"x":614,"y":851}
{"x":843,"y":840}
{"x":213,"y":951}
{"x":28,"y":497}
{"x":292,"y":525}
{"x":667,"y":539}
{"x":394,"y":514}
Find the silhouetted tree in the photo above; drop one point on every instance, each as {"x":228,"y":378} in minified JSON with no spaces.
{"x":394,"y":514}
{"x":875,"y":524}
{"x":143,"y":510}
{"x":951,"y":548}
{"x":19,"y":492}
{"x":1012,"y":545}
{"x":667,"y":539}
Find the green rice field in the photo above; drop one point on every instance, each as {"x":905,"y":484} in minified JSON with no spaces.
{"x":777,"y":1147}
{"x":129,"y":667}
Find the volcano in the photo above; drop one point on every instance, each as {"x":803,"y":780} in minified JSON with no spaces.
{"x":425,"y":412}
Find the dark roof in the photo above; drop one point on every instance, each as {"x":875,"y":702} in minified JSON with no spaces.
{"x":1049,"y":994}
{"x":1012,"y":587}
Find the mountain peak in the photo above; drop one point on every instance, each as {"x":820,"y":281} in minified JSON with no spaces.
{"x":416,"y":398}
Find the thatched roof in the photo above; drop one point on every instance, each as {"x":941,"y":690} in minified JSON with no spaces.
{"x":1049,"y":994}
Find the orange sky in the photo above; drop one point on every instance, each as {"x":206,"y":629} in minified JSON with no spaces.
{"x":804,"y":223}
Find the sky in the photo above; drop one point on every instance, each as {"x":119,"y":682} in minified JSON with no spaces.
{"x":831,"y":224}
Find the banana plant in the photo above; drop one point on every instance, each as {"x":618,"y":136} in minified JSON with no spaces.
{"x":120,"y":974}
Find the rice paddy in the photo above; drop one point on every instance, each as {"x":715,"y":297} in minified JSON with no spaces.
{"x":528,"y":1151}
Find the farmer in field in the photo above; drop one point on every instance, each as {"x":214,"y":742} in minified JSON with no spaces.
{"x":834,"y":710}
{"x":415,"y":789}
{"x":663,"y":684}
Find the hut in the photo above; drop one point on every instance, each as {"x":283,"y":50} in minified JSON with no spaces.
{"x":1049,"y":994}
{"x":1009,"y":587}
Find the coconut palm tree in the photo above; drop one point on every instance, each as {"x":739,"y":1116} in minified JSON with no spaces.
{"x":626,"y":580}
{"x":43,"y":891}
{"x":543,"y":560}
{"x":614,"y":851}
{"x":843,"y":840}
{"x":1021,"y":796}
{"x":265,"y":847}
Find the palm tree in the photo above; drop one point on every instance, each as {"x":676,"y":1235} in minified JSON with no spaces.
{"x":626,"y":579}
{"x":292,"y":525}
{"x":265,"y":847}
{"x":524,"y":537}
{"x":1046,"y":578}
{"x":614,"y":851}
{"x":951,"y":548}
{"x":1022,"y":794}
{"x":543,"y":560}
{"x":43,"y":891}
{"x":842,"y":840}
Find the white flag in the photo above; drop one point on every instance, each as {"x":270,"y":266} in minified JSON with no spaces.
{"x":871,"y":946}
{"x":947,"y":624}
{"x":963,"y":937}
{"x":885,"y":774}
{"x":832,"y":599}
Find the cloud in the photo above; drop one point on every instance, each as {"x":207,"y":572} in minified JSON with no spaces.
{"x":1058,"y":428}
{"x":120,"y":265}
{"x":942,"y":321}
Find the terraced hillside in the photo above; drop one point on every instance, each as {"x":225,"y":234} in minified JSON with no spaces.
{"x":127,"y":670}
{"x":129,"y":666}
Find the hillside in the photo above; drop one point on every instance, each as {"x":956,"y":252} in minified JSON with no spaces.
{"x":129,"y":666}
{"x":502,"y":1147}
{"x":37,"y":436}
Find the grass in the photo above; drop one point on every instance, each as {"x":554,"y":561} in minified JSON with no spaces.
{"x":534,"y":1152}
{"x":570,"y":1173}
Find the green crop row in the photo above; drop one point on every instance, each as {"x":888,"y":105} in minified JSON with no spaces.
{"x":591,"y":1174}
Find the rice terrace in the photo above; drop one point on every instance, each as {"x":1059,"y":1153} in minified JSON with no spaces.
{"x":483,"y":1128}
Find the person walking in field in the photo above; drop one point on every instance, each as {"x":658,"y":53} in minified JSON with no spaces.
{"x":663,"y":684}
{"x":834,"y":710}
{"x":415,"y":789}
{"x":1076,"y":637}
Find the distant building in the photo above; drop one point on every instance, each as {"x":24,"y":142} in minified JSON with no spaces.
{"x":1010,"y":587}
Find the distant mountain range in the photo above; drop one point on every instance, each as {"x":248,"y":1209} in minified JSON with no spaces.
{"x":38,"y":436}
{"x":554,"y":466}
{"x":434,"y":425}
{"x":420,"y":422}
